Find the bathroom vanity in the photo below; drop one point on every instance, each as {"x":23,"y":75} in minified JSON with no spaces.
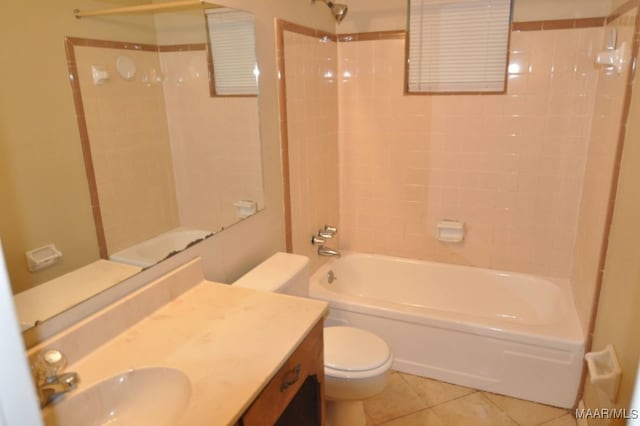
{"x":249,"y":357}
{"x":295,"y":394}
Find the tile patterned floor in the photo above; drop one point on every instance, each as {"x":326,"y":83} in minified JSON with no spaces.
{"x":416,"y":401}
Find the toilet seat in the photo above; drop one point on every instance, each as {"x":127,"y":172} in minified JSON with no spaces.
{"x":354,"y":353}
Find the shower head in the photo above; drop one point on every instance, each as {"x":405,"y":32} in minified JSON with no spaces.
{"x":339,"y":11}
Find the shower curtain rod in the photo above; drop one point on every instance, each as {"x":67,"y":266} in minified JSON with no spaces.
{"x":155,"y":7}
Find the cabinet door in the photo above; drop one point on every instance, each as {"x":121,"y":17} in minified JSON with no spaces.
{"x":296,"y":392}
{"x":303,"y":410}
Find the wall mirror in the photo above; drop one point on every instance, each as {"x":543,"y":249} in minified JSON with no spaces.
{"x":137,"y":157}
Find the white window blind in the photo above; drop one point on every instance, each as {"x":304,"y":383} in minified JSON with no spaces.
{"x":458,"y":45}
{"x":232,"y":39}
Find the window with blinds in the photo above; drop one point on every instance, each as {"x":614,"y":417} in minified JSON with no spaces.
{"x":232,"y":43}
{"x":458,"y":45}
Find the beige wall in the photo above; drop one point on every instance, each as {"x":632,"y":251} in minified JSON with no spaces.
{"x":618,"y":317}
{"x":615,"y":4}
{"x":43,"y":190}
{"x":312,"y":122}
{"x":380,"y":15}
{"x":535,"y":10}
{"x":184,"y":27}
{"x":509,"y":166}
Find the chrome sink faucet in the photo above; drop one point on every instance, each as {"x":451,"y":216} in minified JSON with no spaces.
{"x":50,"y":382}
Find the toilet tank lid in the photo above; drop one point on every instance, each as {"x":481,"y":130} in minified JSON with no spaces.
{"x":353,"y":349}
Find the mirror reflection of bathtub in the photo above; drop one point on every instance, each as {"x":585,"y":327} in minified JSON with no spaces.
{"x":156,"y":249}
{"x":503,"y":332}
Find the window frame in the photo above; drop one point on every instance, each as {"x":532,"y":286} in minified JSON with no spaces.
{"x":407,"y":81}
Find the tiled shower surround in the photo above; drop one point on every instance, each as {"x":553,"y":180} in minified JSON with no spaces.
{"x":127,"y":127}
{"x":510,"y":166}
{"x":210,"y":177}
{"x":312,"y":122}
{"x":531,"y":172}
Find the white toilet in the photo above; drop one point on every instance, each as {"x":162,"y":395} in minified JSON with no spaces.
{"x":355,"y":361}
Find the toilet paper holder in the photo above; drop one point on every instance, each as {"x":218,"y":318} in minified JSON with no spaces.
{"x":604,"y":371}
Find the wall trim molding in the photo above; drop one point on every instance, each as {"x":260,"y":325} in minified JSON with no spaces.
{"x":558,"y":24}
{"x":282,"y":25}
{"x":554,"y":24}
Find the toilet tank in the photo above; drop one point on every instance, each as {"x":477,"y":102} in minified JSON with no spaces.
{"x":281,"y":273}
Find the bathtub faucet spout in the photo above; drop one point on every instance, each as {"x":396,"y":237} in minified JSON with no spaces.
{"x":326,"y":251}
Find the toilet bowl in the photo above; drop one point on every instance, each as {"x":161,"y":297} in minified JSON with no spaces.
{"x":356,"y":361}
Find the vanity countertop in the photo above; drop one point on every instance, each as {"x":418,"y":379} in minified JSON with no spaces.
{"x":229,"y":341}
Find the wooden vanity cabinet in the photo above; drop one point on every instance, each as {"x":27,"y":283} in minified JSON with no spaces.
{"x":295,"y":395}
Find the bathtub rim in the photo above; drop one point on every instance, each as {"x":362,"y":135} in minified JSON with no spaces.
{"x":566,"y":335}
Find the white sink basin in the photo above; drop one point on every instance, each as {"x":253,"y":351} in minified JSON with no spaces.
{"x":155,"y":396}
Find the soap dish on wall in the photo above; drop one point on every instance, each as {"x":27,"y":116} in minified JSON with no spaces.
{"x":42,"y":257}
{"x":450,"y":231}
{"x":245,"y":208}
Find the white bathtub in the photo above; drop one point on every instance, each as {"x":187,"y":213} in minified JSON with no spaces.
{"x":502,"y":332}
{"x":153,"y":250}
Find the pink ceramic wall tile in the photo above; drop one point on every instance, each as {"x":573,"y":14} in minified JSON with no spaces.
{"x":192,"y":118}
{"x":312,"y":125}
{"x":131,"y":154}
{"x":510,"y":166}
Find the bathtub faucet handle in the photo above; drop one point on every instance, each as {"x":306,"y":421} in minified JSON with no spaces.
{"x":328,"y":229}
{"x":324,"y":235}
{"x":317,"y":240}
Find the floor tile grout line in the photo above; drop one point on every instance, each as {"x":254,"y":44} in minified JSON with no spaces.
{"x":499,"y":408}
{"x":472,"y":391}
{"x":455,"y":399}
{"x":400,"y":417}
{"x":417,"y":395}
{"x":514,"y":420}
{"x":556,"y":418}
{"x":442,"y":402}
